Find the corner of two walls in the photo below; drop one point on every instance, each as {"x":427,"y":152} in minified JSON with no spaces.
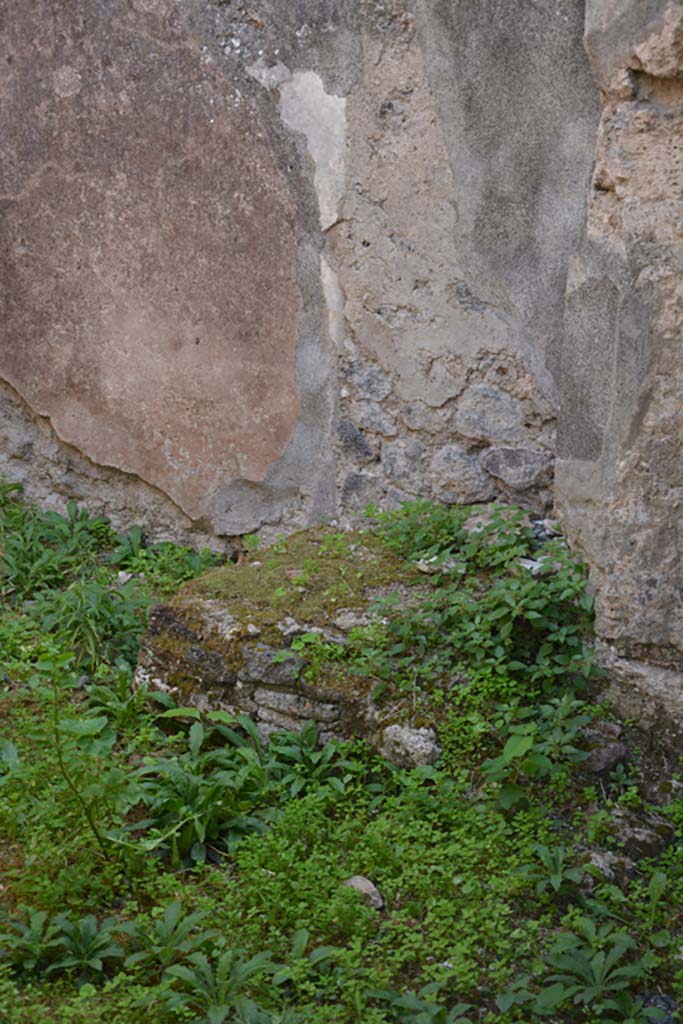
{"x":265,"y":264}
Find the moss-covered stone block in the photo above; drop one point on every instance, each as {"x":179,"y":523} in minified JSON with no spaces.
{"x":225,"y":640}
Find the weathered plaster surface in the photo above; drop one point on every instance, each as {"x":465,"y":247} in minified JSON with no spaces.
{"x":151,"y":305}
{"x":620,"y":476}
{"x":32,"y":454}
{"x":452,"y":248}
{"x":154,"y":263}
{"x":273,"y":260}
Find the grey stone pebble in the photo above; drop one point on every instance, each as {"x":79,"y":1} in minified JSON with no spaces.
{"x":367,"y":889}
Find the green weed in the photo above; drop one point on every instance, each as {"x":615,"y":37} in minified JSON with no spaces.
{"x":160,"y":864}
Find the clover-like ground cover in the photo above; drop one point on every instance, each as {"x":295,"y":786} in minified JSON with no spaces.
{"x":159,"y":864}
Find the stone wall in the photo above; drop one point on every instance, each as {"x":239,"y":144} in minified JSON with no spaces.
{"x":265,"y":262}
{"x":620,"y":445}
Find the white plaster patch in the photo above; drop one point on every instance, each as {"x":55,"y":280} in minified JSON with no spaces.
{"x":334,"y":299}
{"x":306,"y":107}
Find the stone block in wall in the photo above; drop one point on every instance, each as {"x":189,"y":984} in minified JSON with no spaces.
{"x":518,"y":468}
{"x":457,"y":477}
{"x":487,"y":414}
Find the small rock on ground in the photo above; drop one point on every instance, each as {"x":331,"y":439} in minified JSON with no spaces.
{"x":611,"y":867}
{"x":641,"y":836}
{"x":606,"y":756}
{"x":367,"y":889}
{"x":667,"y":1005}
{"x":408,"y":747}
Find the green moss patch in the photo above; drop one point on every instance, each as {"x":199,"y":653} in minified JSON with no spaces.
{"x":311,"y":576}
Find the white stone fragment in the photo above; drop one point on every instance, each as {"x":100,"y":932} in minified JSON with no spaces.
{"x":408,"y":747}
